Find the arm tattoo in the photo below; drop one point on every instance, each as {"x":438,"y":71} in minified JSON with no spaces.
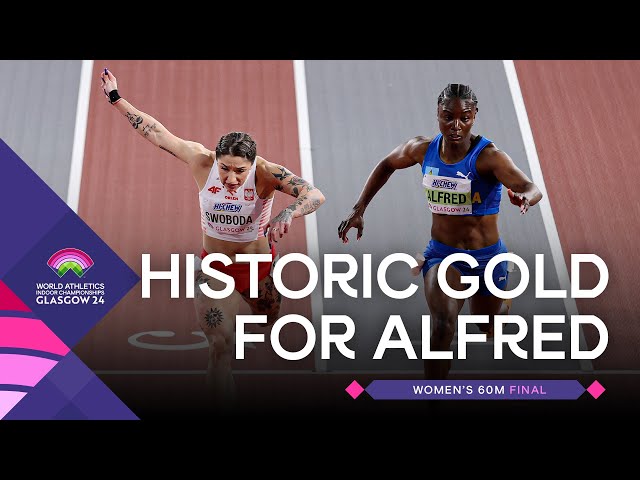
{"x":166,"y":150}
{"x":147,"y":129}
{"x":310,"y":207}
{"x":135,"y":120}
{"x":297,"y":181}
{"x":297,"y":192}
{"x":285,"y":216}
{"x":294,"y":206}
{"x":213,"y":317}
{"x":284,"y":173}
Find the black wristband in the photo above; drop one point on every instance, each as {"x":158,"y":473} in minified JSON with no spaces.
{"x":113,"y":96}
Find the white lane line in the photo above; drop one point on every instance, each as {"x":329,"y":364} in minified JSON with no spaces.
{"x":545,"y":205}
{"x":310,"y":220}
{"x":79,"y":135}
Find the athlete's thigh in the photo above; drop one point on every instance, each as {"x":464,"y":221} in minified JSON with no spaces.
{"x":485,"y":305}
{"x":483,"y":302}
{"x":269,"y":298}
{"x":215,"y":316}
{"x":438,"y":301}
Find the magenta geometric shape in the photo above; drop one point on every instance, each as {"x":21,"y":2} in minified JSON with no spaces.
{"x":354,"y":389}
{"x":29,"y":333}
{"x":25,"y":370}
{"x":595,"y":389}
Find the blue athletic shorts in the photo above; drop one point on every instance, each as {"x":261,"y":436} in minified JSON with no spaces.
{"x":436,"y":252}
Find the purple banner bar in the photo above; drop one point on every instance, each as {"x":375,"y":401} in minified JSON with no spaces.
{"x":475,"y":389}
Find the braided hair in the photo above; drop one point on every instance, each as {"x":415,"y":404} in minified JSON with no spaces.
{"x":458,"y":90}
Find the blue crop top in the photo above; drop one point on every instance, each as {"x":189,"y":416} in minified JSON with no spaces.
{"x":457,"y":189}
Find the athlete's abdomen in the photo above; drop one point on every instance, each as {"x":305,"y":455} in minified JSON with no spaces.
{"x":466,"y":232}
{"x":230,"y":249}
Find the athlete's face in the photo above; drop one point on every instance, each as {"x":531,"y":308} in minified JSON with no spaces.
{"x":455,"y":118}
{"x":233,"y":171}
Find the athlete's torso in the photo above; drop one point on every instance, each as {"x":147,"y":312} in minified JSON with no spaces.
{"x":233,"y":223}
{"x":458,"y":189}
{"x":464,"y":204}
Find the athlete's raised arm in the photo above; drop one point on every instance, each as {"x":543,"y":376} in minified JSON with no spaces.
{"x":405,"y":155}
{"x":151,"y":129}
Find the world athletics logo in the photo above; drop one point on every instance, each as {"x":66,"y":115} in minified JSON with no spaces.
{"x":70,"y":259}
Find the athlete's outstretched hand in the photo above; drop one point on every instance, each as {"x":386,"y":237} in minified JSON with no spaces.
{"x":279,"y":225}
{"x":109,"y":82}
{"x":520,"y":200}
{"x":354,"y":220}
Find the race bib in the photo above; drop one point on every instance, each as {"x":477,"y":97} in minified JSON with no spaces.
{"x":448,"y":196}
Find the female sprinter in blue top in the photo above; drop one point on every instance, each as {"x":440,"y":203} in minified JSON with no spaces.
{"x":463,"y":174}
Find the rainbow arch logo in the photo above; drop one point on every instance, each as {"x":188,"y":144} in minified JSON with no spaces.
{"x":70,"y":259}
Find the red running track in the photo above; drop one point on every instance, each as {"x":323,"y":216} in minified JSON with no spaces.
{"x":583,"y":116}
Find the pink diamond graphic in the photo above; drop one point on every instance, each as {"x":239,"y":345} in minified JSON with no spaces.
{"x":354,"y":389}
{"x":595,"y":389}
